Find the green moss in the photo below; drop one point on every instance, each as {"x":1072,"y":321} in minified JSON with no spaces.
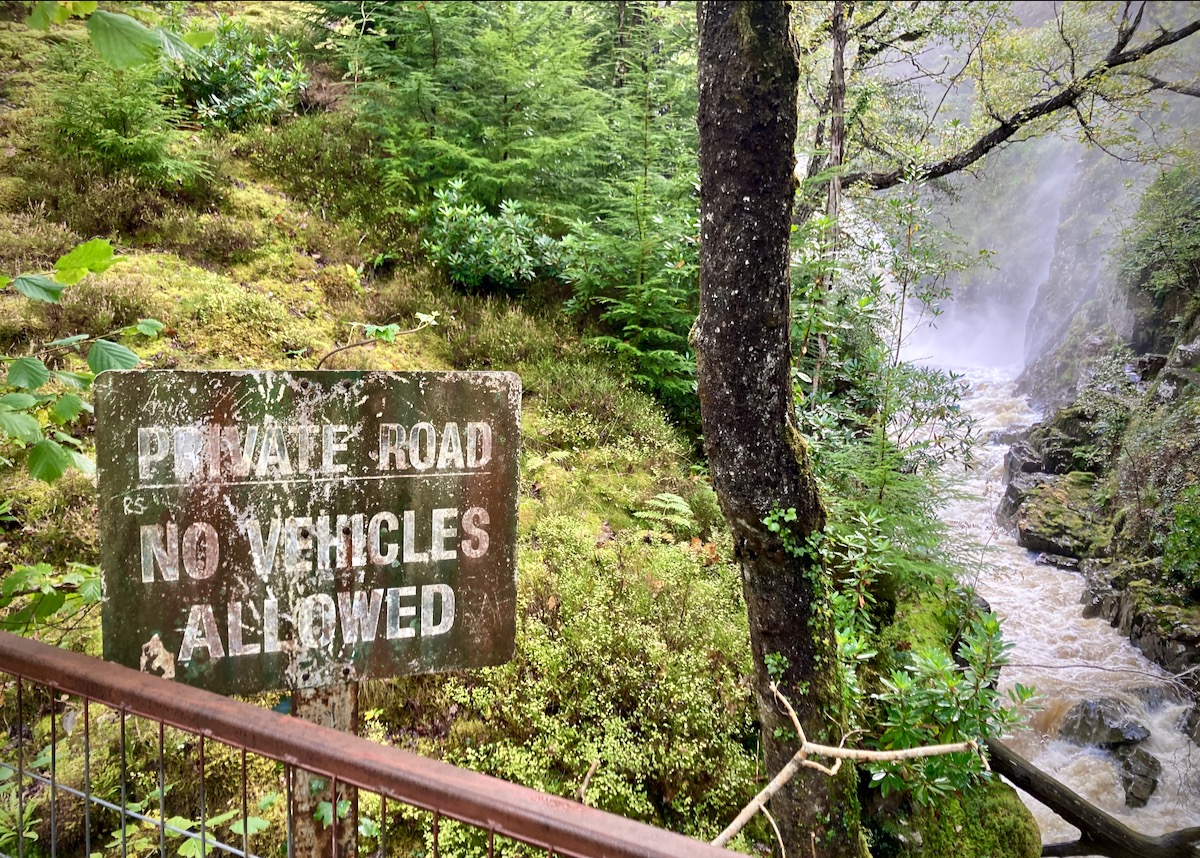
{"x":56,"y":521}
{"x":245,"y":328}
{"x":1062,"y":517}
{"x":13,"y":194}
{"x":989,"y":821}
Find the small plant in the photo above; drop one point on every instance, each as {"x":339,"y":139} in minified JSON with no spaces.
{"x":15,"y":827}
{"x":239,"y":79}
{"x":776,"y":664}
{"x":1181,"y":551}
{"x":42,"y":593}
{"x":671,"y":513}
{"x":107,"y":122}
{"x":38,"y":402}
{"x":935,"y":701}
{"x":376,"y":334}
{"x":483,"y":251}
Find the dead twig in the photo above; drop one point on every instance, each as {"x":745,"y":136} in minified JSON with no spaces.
{"x":838,"y":753}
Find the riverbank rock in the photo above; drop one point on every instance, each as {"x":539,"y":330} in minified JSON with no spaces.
{"x":1156,"y":620}
{"x":1059,"y":516}
{"x":1103,"y":723}
{"x":1058,"y":561}
{"x":1066,"y":442}
{"x":1139,"y":771}
{"x":1021,"y":458}
{"x":1015,"y":493}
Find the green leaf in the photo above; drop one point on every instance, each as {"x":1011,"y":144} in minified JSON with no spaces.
{"x":121,"y":41}
{"x":324,"y":814}
{"x":93,"y":257}
{"x":150,"y":327}
{"x":47,"y":12}
{"x":47,"y":605}
{"x":174,"y":46}
{"x":90,"y":590}
{"x":220,"y":818}
{"x":82,"y":463}
{"x":24,"y":578}
{"x":77,"y":380}
{"x":18,"y":401}
{"x":67,"y":341}
{"x":106,"y":355}
{"x":199,"y":38}
{"x":48,"y":461}
{"x":67,"y":407}
{"x":24,"y":428}
{"x":39,"y":288}
{"x":252,"y":825}
{"x":27,"y":372}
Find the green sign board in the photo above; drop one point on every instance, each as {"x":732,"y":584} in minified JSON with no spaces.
{"x":283,"y":530}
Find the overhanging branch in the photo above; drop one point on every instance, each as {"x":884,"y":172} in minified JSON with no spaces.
{"x":1009,"y":126}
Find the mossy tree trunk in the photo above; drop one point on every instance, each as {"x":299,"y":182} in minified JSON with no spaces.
{"x":748,"y":77}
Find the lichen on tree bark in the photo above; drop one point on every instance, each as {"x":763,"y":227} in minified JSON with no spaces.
{"x":748,"y":78}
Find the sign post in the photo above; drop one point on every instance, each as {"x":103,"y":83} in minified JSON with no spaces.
{"x":300,"y":531}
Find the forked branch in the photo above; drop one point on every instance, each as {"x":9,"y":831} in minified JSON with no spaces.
{"x":838,"y":753}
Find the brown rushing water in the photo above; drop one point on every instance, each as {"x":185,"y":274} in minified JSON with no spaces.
{"x":1067,"y":658}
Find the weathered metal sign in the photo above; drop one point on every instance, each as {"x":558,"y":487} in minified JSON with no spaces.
{"x":272,"y":530}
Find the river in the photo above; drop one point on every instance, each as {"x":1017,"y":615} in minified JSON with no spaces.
{"x":1066,"y":657}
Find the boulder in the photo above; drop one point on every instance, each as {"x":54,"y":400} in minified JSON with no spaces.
{"x":1159,"y":694}
{"x":1097,"y":587}
{"x":1021,"y":458}
{"x":1103,"y":723}
{"x":1139,"y":771}
{"x":1066,"y":442}
{"x":1059,"y":516}
{"x":1008,"y":435}
{"x":1149,"y":365}
{"x":1015,"y":492}
{"x":1058,"y":561}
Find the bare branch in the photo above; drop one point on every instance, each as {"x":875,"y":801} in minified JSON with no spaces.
{"x":839,"y":753}
{"x":1127,"y":28}
{"x":1180,"y":87}
{"x":587,"y":779}
{"x":1009,"y":126}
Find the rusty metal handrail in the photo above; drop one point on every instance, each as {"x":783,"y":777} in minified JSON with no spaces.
{"x":554,"y":823}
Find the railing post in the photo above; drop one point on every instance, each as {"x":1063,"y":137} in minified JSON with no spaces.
{"x":334,"y":706}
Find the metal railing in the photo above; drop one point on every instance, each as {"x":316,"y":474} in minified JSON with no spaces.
{"x":51,"y":804}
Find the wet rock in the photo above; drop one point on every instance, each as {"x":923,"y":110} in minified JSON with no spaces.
{"x":1158,"y":695}
{"x":1066,"y":442}
{"x":1191,"y":724}
{"x":1098,"y":594}
{"x":1021,"y":458}
{"x":1015,"y":492}
{"x":1060,"y":517}
{"x":1103,"y":723}
{"x":1008,"y":435}
{"x":1139,"y":772}
{"x":1148,"y":366}
{"x":1058,"y":561}
{"x":1168,"y":635}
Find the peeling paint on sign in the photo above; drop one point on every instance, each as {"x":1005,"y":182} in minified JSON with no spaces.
{"x":268,"y":531}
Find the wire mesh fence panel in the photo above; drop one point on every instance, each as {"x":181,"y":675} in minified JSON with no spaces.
{"x":101,"y":761}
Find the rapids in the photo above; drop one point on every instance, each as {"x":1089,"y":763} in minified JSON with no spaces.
{"x":1067,"y":658}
